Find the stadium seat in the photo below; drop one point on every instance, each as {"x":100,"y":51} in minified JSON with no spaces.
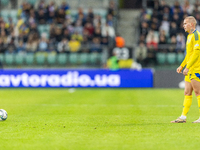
{"x":73,"y":58}
{"x":83,"y":58}
{"x":19,"y":59}
{"x":5,"y":14}
{"x":161,"y":58}
{"x":51,"y":58}
{"x":73,"y":13}
{"x":29,"y":59}
{"x":94,"y":58}
{"x":4,"y":2}
{"x":32,"y":1}
{"x":13,"y":13}
{"x":171,"y":58}
{"x":1,"y":57}
{"x":180,"y":57}
{"x":62,"y":58}
{"x":9,"y":59}
{"x":40,"y":58}
{"x":44,"y":29}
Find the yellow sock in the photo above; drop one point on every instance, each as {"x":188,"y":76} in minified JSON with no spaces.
{"x":187,"y":103}
{"x":198,"y":100}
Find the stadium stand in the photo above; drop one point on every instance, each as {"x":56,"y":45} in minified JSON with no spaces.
{"x":41,"y":32}
{"x":161,"y":27}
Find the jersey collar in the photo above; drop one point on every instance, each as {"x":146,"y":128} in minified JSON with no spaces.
{"x":194,"y":31}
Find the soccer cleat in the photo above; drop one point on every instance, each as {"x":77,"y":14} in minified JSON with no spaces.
{"x":197,"y":121}
{"x":179,"y":120}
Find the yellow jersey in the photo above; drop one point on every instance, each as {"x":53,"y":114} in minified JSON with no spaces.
{"x":192,"y":58}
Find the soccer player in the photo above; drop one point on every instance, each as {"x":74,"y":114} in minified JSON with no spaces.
{"x":192,"y":68}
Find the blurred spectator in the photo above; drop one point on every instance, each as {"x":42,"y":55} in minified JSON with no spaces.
{"x":77,"y":36}
{"x":80,"y":15}
{"x":172,"y":45}
{"x":89,"y":28}
{"x":64,"y":6}
{"x":180,"y":38}
{"x":90,"y":14}
{"x":52,"y":31}
{"x":74,"y":45}
{"x":28,"y":33}
{"x":142,"y":38}
{"x":32,"y":17}
{"x":2,"y":46}
{"x":41,"y":17}
{"x":52,"y":47}
{"x":162,"y":5}
{"x":108,"y":31}
{"x":113,"y":62}
{"x":141,"y":53}
{"x":144,"y":28}
{"x":187,"y":7}
{"x":176,"y":19}
{"x":95,"y":45}
{"x":173,"y":29}
{"x":97,"y":33}
{"x":33,"y":29}
{"x":151,"y":56}
{"x":161,"y":45}
{"x":58,"y":34}
{"x":23,"y":31}
{"x":60,"y":16}
{"x":3,"y":37}
{"x":154,"y":24}
{"x":120,"y":42}
{"x":41,"y":5}
{"x":110,"y":20}
{"x":11,"y":47}
{"x":43,"y":43}
{"x":66,"y":34}
{"x":152,"y":39}
{"x":21,"y":47}
{"x":104,"y":41}
{"x":78,"y":27}
{"x":97,"y":21}
{"x":177,"y":8}
{"x":111,"y":8}
{"x":32,"y":43}
{"x":195,"y":11}
{"x":63,"y":46}
{"x":165,"y":25}
{"x":51,"y":8}
{"x":166,"y":14}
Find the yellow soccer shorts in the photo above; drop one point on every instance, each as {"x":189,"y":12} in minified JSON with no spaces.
{"x":195,"y":76}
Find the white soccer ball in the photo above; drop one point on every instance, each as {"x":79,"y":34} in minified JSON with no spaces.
{"x":3,"y":115}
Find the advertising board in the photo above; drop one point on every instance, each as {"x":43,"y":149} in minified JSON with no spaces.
{"x":76,"y":78}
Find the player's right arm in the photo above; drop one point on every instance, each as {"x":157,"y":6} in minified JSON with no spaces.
{"x":180,"y":68}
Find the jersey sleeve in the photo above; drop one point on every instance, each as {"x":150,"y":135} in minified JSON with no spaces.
{"x":184,"y":62}
{"x":196,"y":40}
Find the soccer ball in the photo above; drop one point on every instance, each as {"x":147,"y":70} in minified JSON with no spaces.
{"x":3,"y":115}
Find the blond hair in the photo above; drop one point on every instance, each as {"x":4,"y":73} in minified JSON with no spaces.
{"x":191,"y":19}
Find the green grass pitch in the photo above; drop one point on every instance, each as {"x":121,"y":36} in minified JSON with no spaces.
{"x":96,"y":119}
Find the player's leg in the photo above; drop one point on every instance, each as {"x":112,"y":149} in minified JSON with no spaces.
{"x":196,"y":86}
{"x":187,"y":101}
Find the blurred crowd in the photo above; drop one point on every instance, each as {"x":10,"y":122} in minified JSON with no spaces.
{"x":85,"y":31}
{"x":161,"y":29}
